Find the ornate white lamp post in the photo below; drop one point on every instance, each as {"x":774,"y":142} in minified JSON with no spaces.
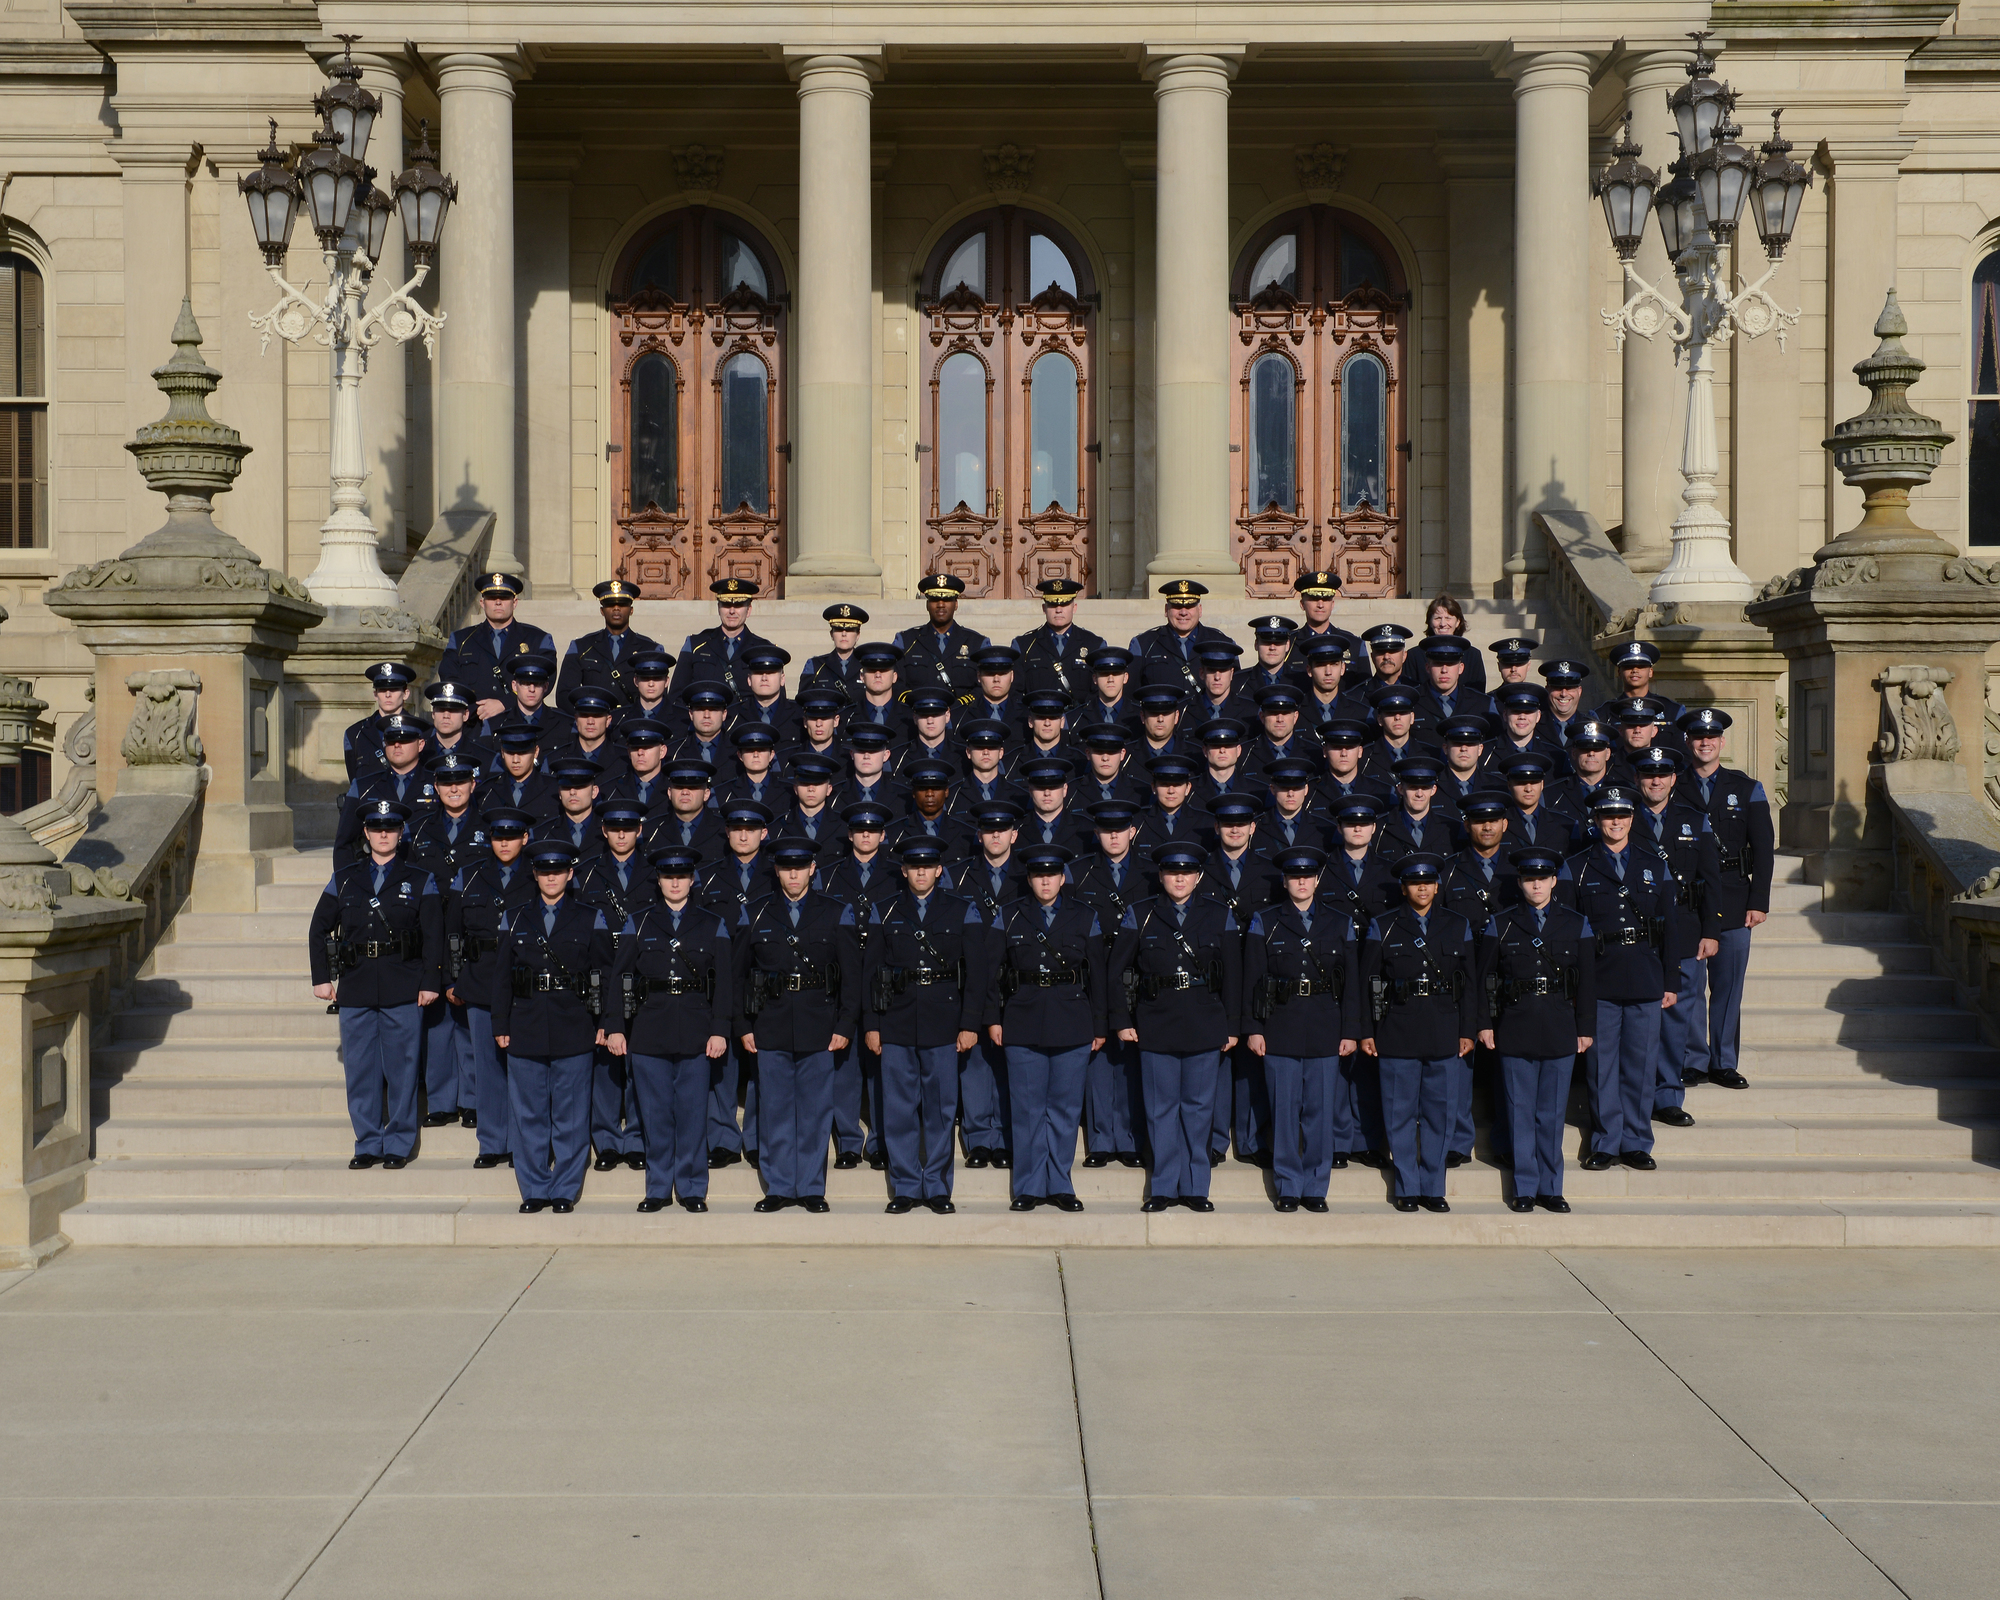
{"x":351,"y":218}
{"x":1698,"y":213}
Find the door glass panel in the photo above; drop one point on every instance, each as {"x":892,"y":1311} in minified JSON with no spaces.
{"x":660,"y":266}
{"x":1982,"y":445}
{"x":1363,"y":432}
{"x":1360,"y":264}
{"x":1047,"y":264}
{"x":967,"y":266}
{"x":1052,"y":398}
{"x":1273,"y":435}
{"x":1278,"y":264}
{"x":740,"y":265}
{"x":961,"y":441}
{"x":652,"y":443}
{"x":746,"y":465}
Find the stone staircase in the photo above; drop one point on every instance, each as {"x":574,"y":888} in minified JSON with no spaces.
{"x":1873,"y":1118}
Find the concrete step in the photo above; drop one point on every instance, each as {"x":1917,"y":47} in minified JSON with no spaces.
{"x":1902,"y":1025}
{"x":1854,"y":1097}
{"x":294,"y":897}
{"x":211,"y":986}
{"x":1794,"y":897}
{"x":1771,"y":955}
{"x":293,"y":1060}
{"x":307,"y":1019}
{"x":1856,"y":991}
{"x":1969,"y":1060}
{"x":199,"y":959}
{"x":302,"y":866}
{"x":1683,"y":1224}
{"x":267,"y":929}
{"x":1866,"y":927}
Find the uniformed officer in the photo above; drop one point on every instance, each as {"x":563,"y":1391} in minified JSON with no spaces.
{"x":710,"y":656}
{"x":1354,"y":879}
{"x":451,"y":712}
{"x":1589,"y":747}
{"x":482,"y":892}
{"x":1513,"y":657}
{"x":867,"y":771}
{"x":1281,"y":736}
{"x":1445,"y":694}
{"x":1160,"y":714}
{"x":1176,"y":994}
{"x":1531,"y":817}
{"x":1523,"y":708}
{"x":1564,"y":680}
{"x":1537,"y":972}
{"x":589,"y":736}
{"x":549,"y":1004}
{"x":1057,"y":655}
{"x":1388,"y":657}
{"x":1477,"y":882}
{"x":940,"y":655}
{"x":764,"y":699}
{"x":1110,"y":880}
{"x":670,"y":1017}
{"x":1740,"y":813}
{"x":444,"y":841}
{"x":1418,"y":964}
{"x":1633,"y":666}
{"x":1047,"y":998}
{"x":930,"y":791}
{"x":1107,"y":758}
{"x":1624,"y":890}
{"x":361,"y":744}
{"x":1395,"y":733}
{"x":616,"y":880}
{"x":1317,"y":590}
{"x":689,"y":819}
{"x":837,"y":669}
{"x":603,"y":659}
{"x":737,"y":878}
{"x":1166,"y":654}
{"x":925,"y":981}
{"x":376,"y":946}
{"x":811,"y":814}
{"x":1221,"y":696}
{"x":529,"y":680}
{"x":931,"y":736}
{"x":798,"y":982}
{"x":816,"y":730}
{"x":1109,"y":699}
{"x":652,"y":674}
{"x":481,"y":657}
{"x":401,"y":778}
{"x":1240,"y":877}
{"x":1301,"y":989}
{"x":1329,"y":691}
{"x":1290,"y":821}
{"x":996,"y":699}
{"x":1272,"y":637}
{"x":575,"y":821}
{"x":876,"y":704}
{"x":1173,"y":817}
{"x":755,"y":750}
{"x":1418,"y":825}
{"x":861,"y":876}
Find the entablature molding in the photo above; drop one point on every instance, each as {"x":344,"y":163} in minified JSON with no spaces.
{"x":121,"y":22}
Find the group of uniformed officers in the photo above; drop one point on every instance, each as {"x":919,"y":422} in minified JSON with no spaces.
{"x":647,"y":904}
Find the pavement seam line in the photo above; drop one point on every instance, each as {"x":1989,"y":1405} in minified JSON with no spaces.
{"x":1770,"y":1465}
{"x":1076,"y":1408}
{"x":429,"y":1411}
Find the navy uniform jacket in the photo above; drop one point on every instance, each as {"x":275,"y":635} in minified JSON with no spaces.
{"x":581,"y":834}
{"x":1240,"y":781}
{"x":652,"y":949}
{"x":556,"y":728}
{"x":481,"y":658}
{"x":1256,"y":882}
{"x":1279,"y":953}
{"x":483,"y":755}
{"x":651,"y":793}
{"x":956,"y":838}
{"x":480,"y":896}
{"x":559,"y":1022}
{"x":1064,"y":749}
{"x":1397,"y":835}
{"x":973,"y":879}
{"x":1329,"y":791}
{"x":903,"y":756}
{"x":772,"y":790}
{"x":781,"y":716}
{"x":822,"y":953}
{"x":444,"y":846}
{"x":1553,"y":827}
{"x":1085,"y":791}
{"x":413,"y":789}
{"x":1159,"y":655}
{"x":1379,"y":759}
{"x":1059,"y":971}
{"x":825,"y":830}
{"x":861,"y":888}
{"x":1633,"y":921}
{"x":885,"y":790}
{"x":969,"y":793}
{"x":933,"y":660}
{"x":830,"y":672}
{"x":1188,"y":825}
{"x":534,"y":794}
{"x":707,"y":657}
{"x":1069,"y":828}
{"x":1275,"y":832}
{"x":1109,"y":890}
{"x":1401,"y":947}
{"x":1668,"y":713}
{"x":728,"y":890}
{"x":620,"y":894}
{"x":609,"y":754}
{"x":1306,"y":635}
{"x":1365,"y":895}
{"x":1302,"y":746}
{"x":1465,"y":702}
{"x":717,"y":752}
{"x":1687,"y":842}
{"x":890,"y":715}
{"x":1560,"y":955}
{"x":1064,"y":667}
{"x":1208,"y":950}
{"x":950,"y":940}
{"x":1236,"y":706}
{"x":1468,"y":890}
{"x":361,"y":744}
{"x":587,"y":663}
{"x":407,"y":904}
{"x":1740,"y":814}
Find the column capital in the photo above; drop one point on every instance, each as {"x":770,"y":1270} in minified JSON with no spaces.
{"x":1647,"y":70}
{"x":496,"y":68}
{"x":1533,"y":69}
{"x":1179,"y":66}
{"x":828,"y":63}
{"x":1876,"y":157}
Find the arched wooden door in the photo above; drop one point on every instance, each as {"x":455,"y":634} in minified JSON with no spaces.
{"x":1319,"y":464}
{"x":698,"y":430}
{"x":1009,"y":469}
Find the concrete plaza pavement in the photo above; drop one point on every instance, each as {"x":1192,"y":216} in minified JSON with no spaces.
{"x":1063,"y":1425}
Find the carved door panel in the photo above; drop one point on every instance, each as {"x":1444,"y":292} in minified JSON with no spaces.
{"x":1362,"y":536}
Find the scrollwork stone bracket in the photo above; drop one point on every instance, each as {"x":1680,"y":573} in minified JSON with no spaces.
{"x":1917,"y":725}
{"x":162,"y":728}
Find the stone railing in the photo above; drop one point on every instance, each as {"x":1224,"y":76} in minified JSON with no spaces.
{"x":1945,"y":848}
{"x":440,"y":587}
{"x":1590,"y":589}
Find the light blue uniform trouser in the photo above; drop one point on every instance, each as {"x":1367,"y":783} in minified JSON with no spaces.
{"x":489,"y":1071}
{"x":1535,"y":1093}
{"x":794,"y":1121}
{"x":857,"y":1098}
{"x":920,"y":1088}
{"x":551,"y":1096}
{"x":982,"y":1099}
{"x":448,"y":1074}
{"x":1179,"y":1096}
{"x":1311,"y":1122}
{"x":1727,"y":969}
{"x":1416,"y":1110}
{"x":672,"y":1097}
{"x":1683,"y":1034}
{"x":1109,"y":1093}
{"x":1046,"y":1087}
{"x":1459,"y":1135}
{"x":725,"y":1080}
{"x":378,"y":1047}
{"x":1624,"y":1064}
{"x":614,"y":1109}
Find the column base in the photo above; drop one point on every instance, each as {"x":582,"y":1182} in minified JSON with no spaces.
{"x":837,"y":585}
{"x":1219,"y":575}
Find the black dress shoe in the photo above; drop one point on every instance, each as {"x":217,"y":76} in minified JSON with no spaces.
{"x":1456,"y":1158}
{"x":1595,"y":1162}
{"x":902,"y":1205}
{"x":1063,"y":1202}
{"x":815,"y":1203}
{"x":1372,"y":1158}
{"x":1403,"y":1202}
{"x":878,"y":1163}
{"x":750,"y":1156}
{"x":1129,"y":1158}
{"x":1521,"y":1202}
{"x":562,"y":1207}
{"x":772,"y":1202}
{"x":1256,"y":1158}
{"x":1433,"y":1202}
{"x":395,"y":1163}
{"x":1552,"y":1202}
{"x":1197,"y":1202}
{"x":468,"y":1119}
{"x":1218,"y":1158}
{"x":1003,"y":1161}
{"x":534,"y":1205}
{"x":1690,"y":1079}
{"x":1339,"y":1163}
{"x":606,"y":1163}
{"x":362,"y":1161}
{"x":487,"y":1163}
{"x":437,"y":1119}
{"x":1095,"y":1159}
{"x":1155,"y":1202}
{"x":847,"y":1161}
{"x":722,"y":1158}
{"x":1673,"y":1117}
{"x":636,"y":1160}
{"x":649,"y":1205}
{"x":1639,"y":1159}
{"x":1024,"y":1202}
{"x":941,"y":1204}
{"x":1285,"y":1202}
{"x":695,"y":1204}
{"x":978,"y":1158}
{"x":1729,"y":1080}
{"x":1314,"y":1203}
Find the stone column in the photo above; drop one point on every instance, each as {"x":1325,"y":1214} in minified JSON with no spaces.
{"x":833,"y":331}
{"x":1554,"y":296}
{"x":1653,"y":383}
{"x":1191,"y":300}
{"x":475,"y":425}
{"x":1479,"y":198}
{"x":384,"y":398}
{"x":1142,"y":161}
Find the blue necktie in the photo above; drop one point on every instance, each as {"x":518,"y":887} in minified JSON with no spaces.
{"x":677,"y":919}
{"x":795,"y":913}
{"x":548,"y":920}
{"x":1306,"y":917}
{"x":506,"y":876}
{"x":1541,"y":920}
{"x":617,"y":644}
{"x":1618,"y":864}
{"x":921,"y":904}
{"x":1049,"y":918}
{"x":381,"y":873}
{"x":1235,"y":874}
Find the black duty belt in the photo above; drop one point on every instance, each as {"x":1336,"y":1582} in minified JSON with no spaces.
{"x":544,"y":981}
{"x":1402,"y":989}
{"x":1301,"y":988}
{"x":402,"y":947}
{"x":1177,"y":980}
{"x":1621,"y":936}
{"x":644,"y":987}
{"x":1528,"y":988}
{"x":795,"y":982}
{"x":1052,"y":978}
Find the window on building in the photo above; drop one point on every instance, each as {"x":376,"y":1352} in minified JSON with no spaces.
{"x":1279,"y":264}
{"x":961,"y":427}
{"x":29,"y":784}
{"x":967,"y":265}
{"x":1364,"y":442}
{"x":1052,"y":472}
{"x":1047,"y":264}
{"x":24,"y":407}
{"x":660,"y":267}
{"x":741,"y":268}
{"x":1982,"y":434}
{"x":654,"y":480}
{"x":746,"y":439}
{"x":1274,"y":434}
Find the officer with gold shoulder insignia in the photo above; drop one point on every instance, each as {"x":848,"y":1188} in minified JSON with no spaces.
{"x":940,"y":654}
{"x":603,"y":659}
{"x":482,"y":656}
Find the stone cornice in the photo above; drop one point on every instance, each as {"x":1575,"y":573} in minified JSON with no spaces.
{"x":1836,"y":24}
{"x":115,"y":22}
{"x":1955,"y":57}
{"x":52,"y":58}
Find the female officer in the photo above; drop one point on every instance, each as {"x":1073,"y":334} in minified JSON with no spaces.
{"x":670,"y":1009}
{"x":1301,"y":991}
{"x":1537,"y":971}
{"x":480,"y":895}
{"x":1046,"y":999}
{"x":1178,"y":961}
{"x":1417,"y":962}
{"x":554,"y":957}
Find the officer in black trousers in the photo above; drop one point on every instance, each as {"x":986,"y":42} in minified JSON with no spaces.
{"x":603,"y":659}
{"x":376,"y":946}
{"x":862,"y":876}
{"x":1681,"y":834}
{"x":481,"y":895}
{"x":554,"y":960}
{"x":798,"y":982}
{"x":672,"y":1004}
{"x":940,"y":655}
{"x":445,"y":841}
{"x":1047,"y":998}
{"x":1538,"y":994}
{"x":1110,"y":879}
{"x":361,"y":744}
{"x":1301,"y":988}
{"x":1477,"y":882}
{"x":1057,"y":655}
{"x":1418,"y":963}
{"x":482,"y":657}
{"x":616,"y":880}
{"x":1176,"y":994}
